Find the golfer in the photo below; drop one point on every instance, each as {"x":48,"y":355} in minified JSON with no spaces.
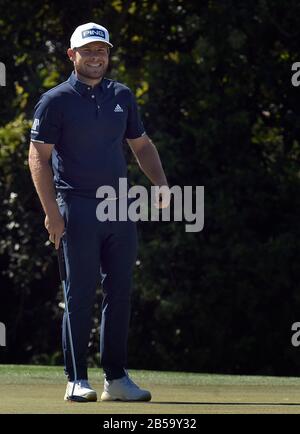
{"x":80,"y":125}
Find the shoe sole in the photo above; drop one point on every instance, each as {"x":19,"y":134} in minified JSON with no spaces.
{"x":88,"y":397}
{"x":107,"y":397}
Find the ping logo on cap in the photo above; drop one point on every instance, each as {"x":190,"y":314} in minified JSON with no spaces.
{"x":93,"y":32}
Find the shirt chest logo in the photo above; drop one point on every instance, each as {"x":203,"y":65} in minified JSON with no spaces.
{"x":118,"y":109}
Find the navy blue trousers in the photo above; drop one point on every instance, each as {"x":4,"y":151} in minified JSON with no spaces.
{"x":96,"y":253}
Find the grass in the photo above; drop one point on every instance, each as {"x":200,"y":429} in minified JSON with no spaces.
{"x":40,"y":389}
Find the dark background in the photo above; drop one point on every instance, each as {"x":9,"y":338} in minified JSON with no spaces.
{"x":213,"y":82}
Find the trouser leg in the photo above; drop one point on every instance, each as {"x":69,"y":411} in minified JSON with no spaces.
{"x":118,"y":256}
{"x":82,"y":256}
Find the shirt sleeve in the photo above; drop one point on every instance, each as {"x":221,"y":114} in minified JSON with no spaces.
{"x":135,"y":127}
{"x":46,"y":126}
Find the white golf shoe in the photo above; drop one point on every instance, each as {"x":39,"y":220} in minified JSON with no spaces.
{"x":80,"y":391}
{"x":123,"y":389}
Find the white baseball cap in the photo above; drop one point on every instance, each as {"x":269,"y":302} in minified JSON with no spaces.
{"x":89,"y":32}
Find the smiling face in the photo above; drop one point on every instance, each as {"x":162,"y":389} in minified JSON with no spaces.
{"x":90,"y":61}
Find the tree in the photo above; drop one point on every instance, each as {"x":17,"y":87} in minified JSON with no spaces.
{"x":213,"y":83}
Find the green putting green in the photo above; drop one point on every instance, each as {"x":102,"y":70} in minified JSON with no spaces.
{"x":40,"y":389}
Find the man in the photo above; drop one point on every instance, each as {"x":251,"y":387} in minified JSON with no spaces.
{"x":81,"y":124}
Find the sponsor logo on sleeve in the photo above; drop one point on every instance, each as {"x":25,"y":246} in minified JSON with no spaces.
{"x":35,"y":126}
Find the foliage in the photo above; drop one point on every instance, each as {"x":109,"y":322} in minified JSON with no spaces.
{"x":212,"y":79}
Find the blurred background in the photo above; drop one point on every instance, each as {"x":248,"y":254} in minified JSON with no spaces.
{"x":213,"y":82}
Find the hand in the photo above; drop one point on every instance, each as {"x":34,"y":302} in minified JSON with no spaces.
{"x":162,"y":196}
{"x":55,"y":227}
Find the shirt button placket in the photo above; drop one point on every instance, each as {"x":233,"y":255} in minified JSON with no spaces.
{"x":98,"y":105}
{"x":97,"y":98}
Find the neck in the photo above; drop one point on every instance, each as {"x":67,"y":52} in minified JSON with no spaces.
{"x":90,"y":81}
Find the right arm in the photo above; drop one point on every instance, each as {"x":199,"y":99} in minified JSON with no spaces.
{"x":39,"y":156}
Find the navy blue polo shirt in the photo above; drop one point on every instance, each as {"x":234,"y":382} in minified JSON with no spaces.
{"x":88,"y":126}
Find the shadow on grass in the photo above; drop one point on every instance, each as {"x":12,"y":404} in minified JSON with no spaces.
{"x":225,"y":403}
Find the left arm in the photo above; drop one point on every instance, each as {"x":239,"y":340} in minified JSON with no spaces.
{"x":148,"y":159}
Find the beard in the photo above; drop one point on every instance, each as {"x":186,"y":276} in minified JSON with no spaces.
{"x":92,"y":73}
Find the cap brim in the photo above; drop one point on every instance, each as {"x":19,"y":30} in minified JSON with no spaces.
{"x":92,"y":39}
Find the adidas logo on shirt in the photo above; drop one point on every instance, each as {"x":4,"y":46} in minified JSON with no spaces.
{"x":118,"y":109}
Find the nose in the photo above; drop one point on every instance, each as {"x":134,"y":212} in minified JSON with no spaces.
{"x":94,"y":55}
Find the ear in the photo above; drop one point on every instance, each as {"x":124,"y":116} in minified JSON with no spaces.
{"x":71,"y":54}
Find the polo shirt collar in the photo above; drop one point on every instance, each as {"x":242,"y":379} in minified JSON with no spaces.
{"x":84,"y":88}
